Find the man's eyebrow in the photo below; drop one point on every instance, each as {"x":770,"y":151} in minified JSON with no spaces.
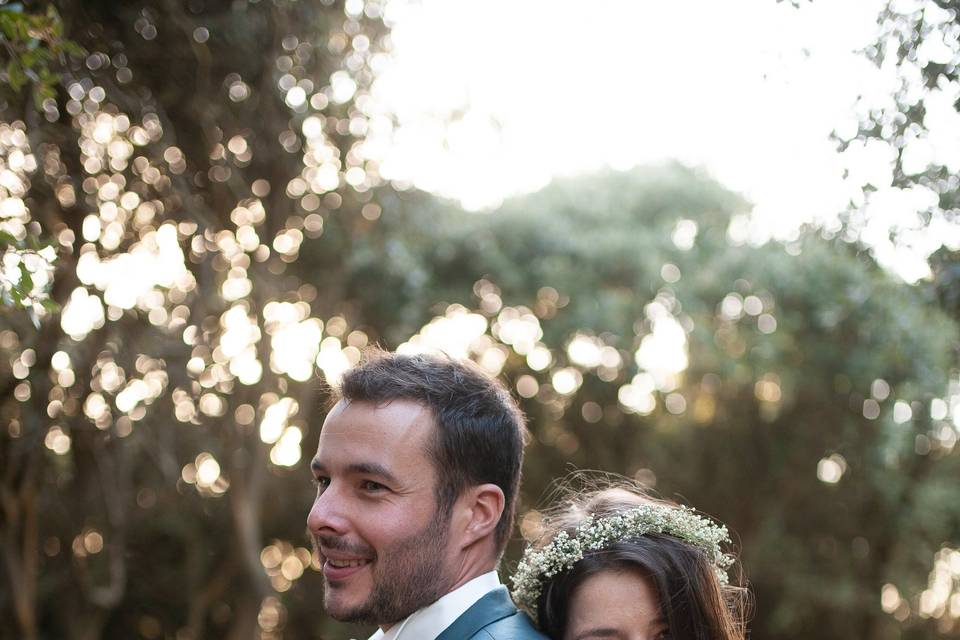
{"x":372,"y":469}
{"x":359,"y":468}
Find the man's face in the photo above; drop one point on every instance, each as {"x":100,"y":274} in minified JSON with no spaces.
{"x":374,"y":520}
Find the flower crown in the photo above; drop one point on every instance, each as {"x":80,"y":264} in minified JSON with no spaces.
{"x":540,"y":565}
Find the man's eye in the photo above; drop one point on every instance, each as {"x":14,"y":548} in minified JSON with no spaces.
{"x":321,"y":483}
{"x":370,"y":485}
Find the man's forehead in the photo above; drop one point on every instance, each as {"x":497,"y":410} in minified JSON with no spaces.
{"x":386,"y":424}
{"x":393,"y":438}
{"x":399,"y":411}
{"x":337,"y":409}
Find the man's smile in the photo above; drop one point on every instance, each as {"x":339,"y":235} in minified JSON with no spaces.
{"x":338,"y":565}
{"x":343,"y":564}
{"x":338,"y":570}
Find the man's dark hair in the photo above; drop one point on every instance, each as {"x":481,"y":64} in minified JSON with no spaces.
{"x":480,"y":429}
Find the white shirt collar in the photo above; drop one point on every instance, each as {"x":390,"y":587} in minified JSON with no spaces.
{"x":430,"y":621}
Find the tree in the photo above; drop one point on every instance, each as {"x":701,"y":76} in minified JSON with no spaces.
{"x":919,"y":44}
{"x":178,"y":168}
{"x":33,"y":47}
{"x":918,"y":50}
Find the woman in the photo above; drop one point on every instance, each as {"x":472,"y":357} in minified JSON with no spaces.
{"x":615,"y":564}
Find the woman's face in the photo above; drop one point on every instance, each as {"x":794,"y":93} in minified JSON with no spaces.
{"x":615,"y":605}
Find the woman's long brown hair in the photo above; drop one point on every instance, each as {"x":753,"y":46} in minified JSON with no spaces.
{"x":695,"y":604}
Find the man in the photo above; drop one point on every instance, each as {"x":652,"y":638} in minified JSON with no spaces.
{"x":417,"y":473}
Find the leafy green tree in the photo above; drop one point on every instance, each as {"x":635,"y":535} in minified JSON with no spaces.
{"x":919,"y":43}
{"x":918,"y":49}
{"x":178,"y":164}
{"x":34,"y":50}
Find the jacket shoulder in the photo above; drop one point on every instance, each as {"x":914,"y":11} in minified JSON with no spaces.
{"x":492,"y":617}
{"x":514,"y":627}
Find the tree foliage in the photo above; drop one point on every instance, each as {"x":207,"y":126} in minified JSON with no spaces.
{"x":179,"y":168}
{"x":34,"y":49}
{"x":918,"y":51}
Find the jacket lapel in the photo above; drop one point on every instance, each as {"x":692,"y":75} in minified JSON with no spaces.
{"x":494,"y":606}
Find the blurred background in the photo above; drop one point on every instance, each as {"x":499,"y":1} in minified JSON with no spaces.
{"x":710,"y":246}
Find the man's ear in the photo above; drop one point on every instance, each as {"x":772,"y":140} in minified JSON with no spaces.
{"x":480,"y":508}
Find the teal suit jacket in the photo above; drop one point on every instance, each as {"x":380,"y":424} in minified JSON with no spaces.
{"x":492,"y":617}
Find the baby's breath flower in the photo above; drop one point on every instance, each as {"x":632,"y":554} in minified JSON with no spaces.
{"x":592,"y":534}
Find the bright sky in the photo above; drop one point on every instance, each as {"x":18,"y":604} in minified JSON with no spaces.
{"x":750,"y":90}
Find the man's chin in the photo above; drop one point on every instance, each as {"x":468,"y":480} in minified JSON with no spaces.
{"x":352,"y":617}
{"x":342,"y":608}
{"x":343,"y":612}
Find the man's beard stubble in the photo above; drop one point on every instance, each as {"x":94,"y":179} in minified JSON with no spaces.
{"x":406,"y":577}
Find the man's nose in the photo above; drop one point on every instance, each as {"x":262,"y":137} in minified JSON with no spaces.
{"x":328,"y":514}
